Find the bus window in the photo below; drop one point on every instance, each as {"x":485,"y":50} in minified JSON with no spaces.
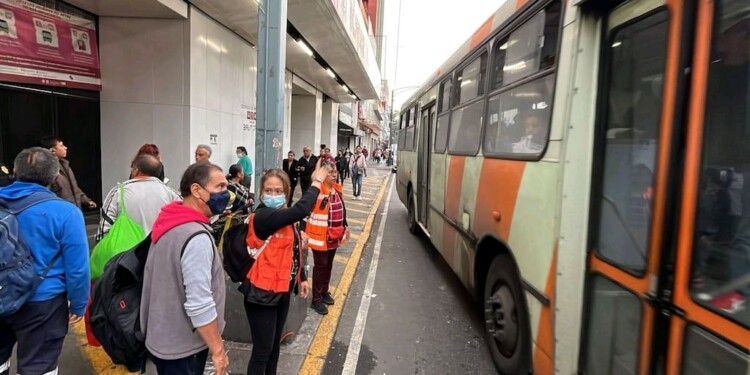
{"x":721,"y":261}
{"x":518,"y":120}
{"x":466,"y":132}
{"x":529,"y":49}
{"x":471,"y":79}
{"x":498,"y":62}
{"x":441,"y":135}
{"x":445,"y":95}
{"x":634,"y":98}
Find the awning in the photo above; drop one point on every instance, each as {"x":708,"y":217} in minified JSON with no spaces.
{"x":373,"y":127}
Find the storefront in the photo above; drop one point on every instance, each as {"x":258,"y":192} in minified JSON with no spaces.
{"x":50,"y":83}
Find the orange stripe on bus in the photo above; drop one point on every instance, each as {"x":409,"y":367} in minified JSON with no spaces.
{"x":481,"y":33}
{"x":499,"y":184}
{"x":545,"y":337}
{"x":520,"y":3}
{"x":455,"y":178}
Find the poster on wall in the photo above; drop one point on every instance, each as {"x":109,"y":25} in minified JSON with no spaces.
{"x":42,"y":46}
{"x":248,"y":118}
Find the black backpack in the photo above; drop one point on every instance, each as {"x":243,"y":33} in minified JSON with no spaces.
{"x":116,"y":306}
{"x":235,"y":256}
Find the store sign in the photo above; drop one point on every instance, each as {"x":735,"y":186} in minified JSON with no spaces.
{"x":248,"y":118}
{"x":42,"y":46}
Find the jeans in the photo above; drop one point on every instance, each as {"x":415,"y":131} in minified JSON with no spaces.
{"x":357,"y":184}
{"x":39,"y":328}
{"x":322,"y":273}
{"x":266,"y":327}
{"x":191,"y":365}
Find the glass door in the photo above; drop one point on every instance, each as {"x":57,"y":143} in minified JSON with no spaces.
{"x":634,"y":136}
{"x":710,"y":334}
{"x":427,"y":124}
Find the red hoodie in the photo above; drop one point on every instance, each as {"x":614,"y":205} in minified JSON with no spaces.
{"x":173,"y":215}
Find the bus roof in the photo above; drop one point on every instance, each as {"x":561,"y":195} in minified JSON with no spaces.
{"x":487,"y":29}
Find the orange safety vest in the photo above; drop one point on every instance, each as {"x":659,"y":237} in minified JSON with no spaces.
{"x":317,"y":223}
{"x":273,"y":258}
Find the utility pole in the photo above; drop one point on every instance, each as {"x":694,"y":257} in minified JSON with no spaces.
{"x":270,"y":95}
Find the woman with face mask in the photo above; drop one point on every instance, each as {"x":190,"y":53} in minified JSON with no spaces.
{"x":275,"y":242}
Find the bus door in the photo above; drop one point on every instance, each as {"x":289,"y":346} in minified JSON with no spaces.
{"x":425,"y":151}
{"x":641,"y":72}
{"x":709,"y":332}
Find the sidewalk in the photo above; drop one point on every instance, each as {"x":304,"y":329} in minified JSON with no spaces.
{"x":79,"y":358}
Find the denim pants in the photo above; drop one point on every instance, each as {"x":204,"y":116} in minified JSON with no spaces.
{"x":357,"y":184}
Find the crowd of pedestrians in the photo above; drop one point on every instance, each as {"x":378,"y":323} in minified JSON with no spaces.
{"x":182,"y":302}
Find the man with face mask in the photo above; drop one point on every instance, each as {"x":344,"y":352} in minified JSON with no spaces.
{"x":182,"y":305}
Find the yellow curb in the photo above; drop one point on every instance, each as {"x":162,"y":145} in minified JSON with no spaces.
{"x":100,"y":362}
{"x":318,"y":351}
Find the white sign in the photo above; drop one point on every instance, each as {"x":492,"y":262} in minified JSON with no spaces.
{"x":248,"y":118}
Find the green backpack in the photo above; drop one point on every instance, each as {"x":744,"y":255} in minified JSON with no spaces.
{"x":124,"y":234}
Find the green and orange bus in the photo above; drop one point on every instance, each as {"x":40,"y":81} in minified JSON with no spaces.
{"x":580,"y":166}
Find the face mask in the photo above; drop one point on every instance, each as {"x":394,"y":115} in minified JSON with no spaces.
{"x":217,"y":202}
{"x":239,"y":155}
{"x":274,"y":201}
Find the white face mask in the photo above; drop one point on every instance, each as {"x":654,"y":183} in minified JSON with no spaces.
{"x":239,"y":155}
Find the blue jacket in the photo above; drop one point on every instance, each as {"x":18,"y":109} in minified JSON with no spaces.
{"x":46,"y":228}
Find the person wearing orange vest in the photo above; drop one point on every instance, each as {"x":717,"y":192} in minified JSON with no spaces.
{"x":326,"y":229}
{"x":275,"y":242}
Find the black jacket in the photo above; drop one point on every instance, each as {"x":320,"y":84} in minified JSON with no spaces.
{"x":309,"y":167}
{"x":291,"y":170}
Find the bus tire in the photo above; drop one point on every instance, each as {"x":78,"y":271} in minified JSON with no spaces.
{"x":506,"y":318}
{"x":412,"y":216}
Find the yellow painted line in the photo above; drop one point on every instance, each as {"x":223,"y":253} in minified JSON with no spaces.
{"x":100,"y":362}
{"x":355,"y":221}
{"x":316,"y":356}
{"x":353,"y":235}
{"x":356,"y":210}
{"x":340,"y":259}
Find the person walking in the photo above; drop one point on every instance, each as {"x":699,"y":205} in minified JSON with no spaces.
{"x":55,"y":234}
{"x":326,"y":229}
{"x":247,"y":166}
{"x":341,"y":166}
{"x":358,"y":167}
{"x":182,"y":303}
{"x":289,"y":165}
{"x":306,"y":165}
{"x":149,"y":149}
{"x":65,"y":185}
{"x":202,"y":153}
{"x":275,"y":241}
{"x":242,"y":196}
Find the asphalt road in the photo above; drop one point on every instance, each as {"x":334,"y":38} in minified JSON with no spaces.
{"x":420,"y":320}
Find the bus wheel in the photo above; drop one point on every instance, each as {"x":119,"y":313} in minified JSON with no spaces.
{"x":505,"y":317}
{"x":412,"y":216}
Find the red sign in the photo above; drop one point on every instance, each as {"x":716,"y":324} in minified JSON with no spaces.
{"x":42,"y":46}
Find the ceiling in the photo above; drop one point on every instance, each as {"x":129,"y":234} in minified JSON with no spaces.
{"x":134,"y":8}
{"x":317,"y":22}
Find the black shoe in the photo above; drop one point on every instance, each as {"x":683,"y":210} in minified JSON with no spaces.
{"x":328,"y":299}
{"x":320,"y":308}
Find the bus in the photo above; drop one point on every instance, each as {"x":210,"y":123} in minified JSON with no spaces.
{"x":580,"y":166}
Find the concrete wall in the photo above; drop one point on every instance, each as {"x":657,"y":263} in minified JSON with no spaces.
{"x":222,"y":89}
{"x":306,"y":122}
{"x":145,"y":97}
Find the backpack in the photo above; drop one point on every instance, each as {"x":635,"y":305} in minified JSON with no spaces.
{"x":236,"y":258}
{"x":122,"y":235}
{"x":18,"y":278}
{"x":116,"y":306}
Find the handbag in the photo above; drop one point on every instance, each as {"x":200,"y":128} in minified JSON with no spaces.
{"x":336,"y":233}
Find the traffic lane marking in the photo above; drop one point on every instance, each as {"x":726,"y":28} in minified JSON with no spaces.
{"x":318,"y":351}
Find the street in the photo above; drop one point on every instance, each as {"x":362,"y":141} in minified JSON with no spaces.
{"x":421,"y":320}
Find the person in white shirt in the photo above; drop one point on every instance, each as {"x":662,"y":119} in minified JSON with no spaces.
{"x":533,"y":140}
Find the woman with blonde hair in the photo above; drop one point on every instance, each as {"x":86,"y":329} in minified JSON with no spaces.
{"x":275,"y":242}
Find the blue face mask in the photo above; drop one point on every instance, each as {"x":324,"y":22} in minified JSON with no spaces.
{"x":217,"y":202}
{"x":274,"y":201}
